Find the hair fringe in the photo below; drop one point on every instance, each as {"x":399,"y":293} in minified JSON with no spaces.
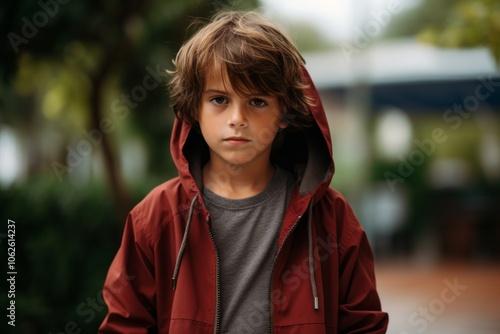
{"x":256,"y":55}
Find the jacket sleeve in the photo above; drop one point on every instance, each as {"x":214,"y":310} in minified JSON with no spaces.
{"x":359,"y":303}
{"x":129,"y":288}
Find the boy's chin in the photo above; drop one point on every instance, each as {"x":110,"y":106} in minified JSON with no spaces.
{"x":239,"y":161}
{"x":240,"y":158}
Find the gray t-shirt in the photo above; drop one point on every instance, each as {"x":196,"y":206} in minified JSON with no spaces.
{"x":246,"y":233}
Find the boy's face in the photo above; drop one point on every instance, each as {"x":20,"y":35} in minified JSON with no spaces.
{"x":238,"y":130}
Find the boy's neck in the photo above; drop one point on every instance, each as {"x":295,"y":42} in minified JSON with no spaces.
{"x":236,"y":181}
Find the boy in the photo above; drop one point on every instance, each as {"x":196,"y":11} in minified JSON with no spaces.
{"x":249,"y":238}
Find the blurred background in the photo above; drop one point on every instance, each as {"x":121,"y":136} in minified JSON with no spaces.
{"x":412,"y":93}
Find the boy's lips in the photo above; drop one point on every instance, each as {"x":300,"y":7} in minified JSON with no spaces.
{"x":236,"y":140}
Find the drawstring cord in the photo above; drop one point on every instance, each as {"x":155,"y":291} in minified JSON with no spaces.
{"x":311,"y":257}
{"x":183,"y":243}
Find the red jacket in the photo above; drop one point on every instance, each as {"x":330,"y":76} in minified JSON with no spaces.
{"x":323,"y":253}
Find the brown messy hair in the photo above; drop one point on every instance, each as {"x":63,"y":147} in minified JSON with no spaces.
{"x":257,"y":58}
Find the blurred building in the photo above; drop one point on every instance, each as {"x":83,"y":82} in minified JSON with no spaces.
{"x":416,"y":133}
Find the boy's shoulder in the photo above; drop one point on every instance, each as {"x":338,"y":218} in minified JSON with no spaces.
{"x":163,"y":189}
{"x":335,"y":199}
{"x":336,"y":210}
{"x":339,"y":218}
{"x":158,"y":207}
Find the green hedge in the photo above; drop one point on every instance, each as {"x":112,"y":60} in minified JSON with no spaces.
{"x":66,"y":237}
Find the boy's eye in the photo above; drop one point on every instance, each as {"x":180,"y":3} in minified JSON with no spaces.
{"x":258,"y":103}
{"x":219,"y":100}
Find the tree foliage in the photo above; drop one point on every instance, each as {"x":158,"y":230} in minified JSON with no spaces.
{"x":75,"y":69}
{"x":453,"y":24}
{"x":468,"y":24}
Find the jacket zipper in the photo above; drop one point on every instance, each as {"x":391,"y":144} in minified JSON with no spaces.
{"x":217,"y":275}
{"x":272,"y":274}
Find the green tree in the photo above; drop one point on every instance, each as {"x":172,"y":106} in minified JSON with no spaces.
{"x":454,"y":24}
{"x":65,"y":64}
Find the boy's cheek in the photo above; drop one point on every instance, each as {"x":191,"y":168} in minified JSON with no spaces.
{"x":278,"y":123}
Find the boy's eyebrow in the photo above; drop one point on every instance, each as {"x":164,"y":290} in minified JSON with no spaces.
{"x":212,"y":90}
{"x":219,"y":91}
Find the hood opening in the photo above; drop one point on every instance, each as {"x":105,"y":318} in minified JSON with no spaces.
{"x":306,"y":155}
{"x":196,"y":152}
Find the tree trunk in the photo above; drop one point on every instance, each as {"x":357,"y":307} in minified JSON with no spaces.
{"x":121,"y":197}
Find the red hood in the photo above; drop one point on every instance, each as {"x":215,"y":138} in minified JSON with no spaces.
{"x":307,"y":155}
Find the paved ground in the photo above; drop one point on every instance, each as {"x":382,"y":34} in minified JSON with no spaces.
{"x":440,"y":299}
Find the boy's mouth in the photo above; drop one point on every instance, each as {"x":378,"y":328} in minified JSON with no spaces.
{"x":236,"y":140}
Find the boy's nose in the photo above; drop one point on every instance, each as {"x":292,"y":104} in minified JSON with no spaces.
{"x":237,"y":118}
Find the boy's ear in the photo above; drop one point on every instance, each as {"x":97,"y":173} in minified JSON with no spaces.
{"x":284,"y":119}
{"x":196,"y":117}
{"x":283,"y":124}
